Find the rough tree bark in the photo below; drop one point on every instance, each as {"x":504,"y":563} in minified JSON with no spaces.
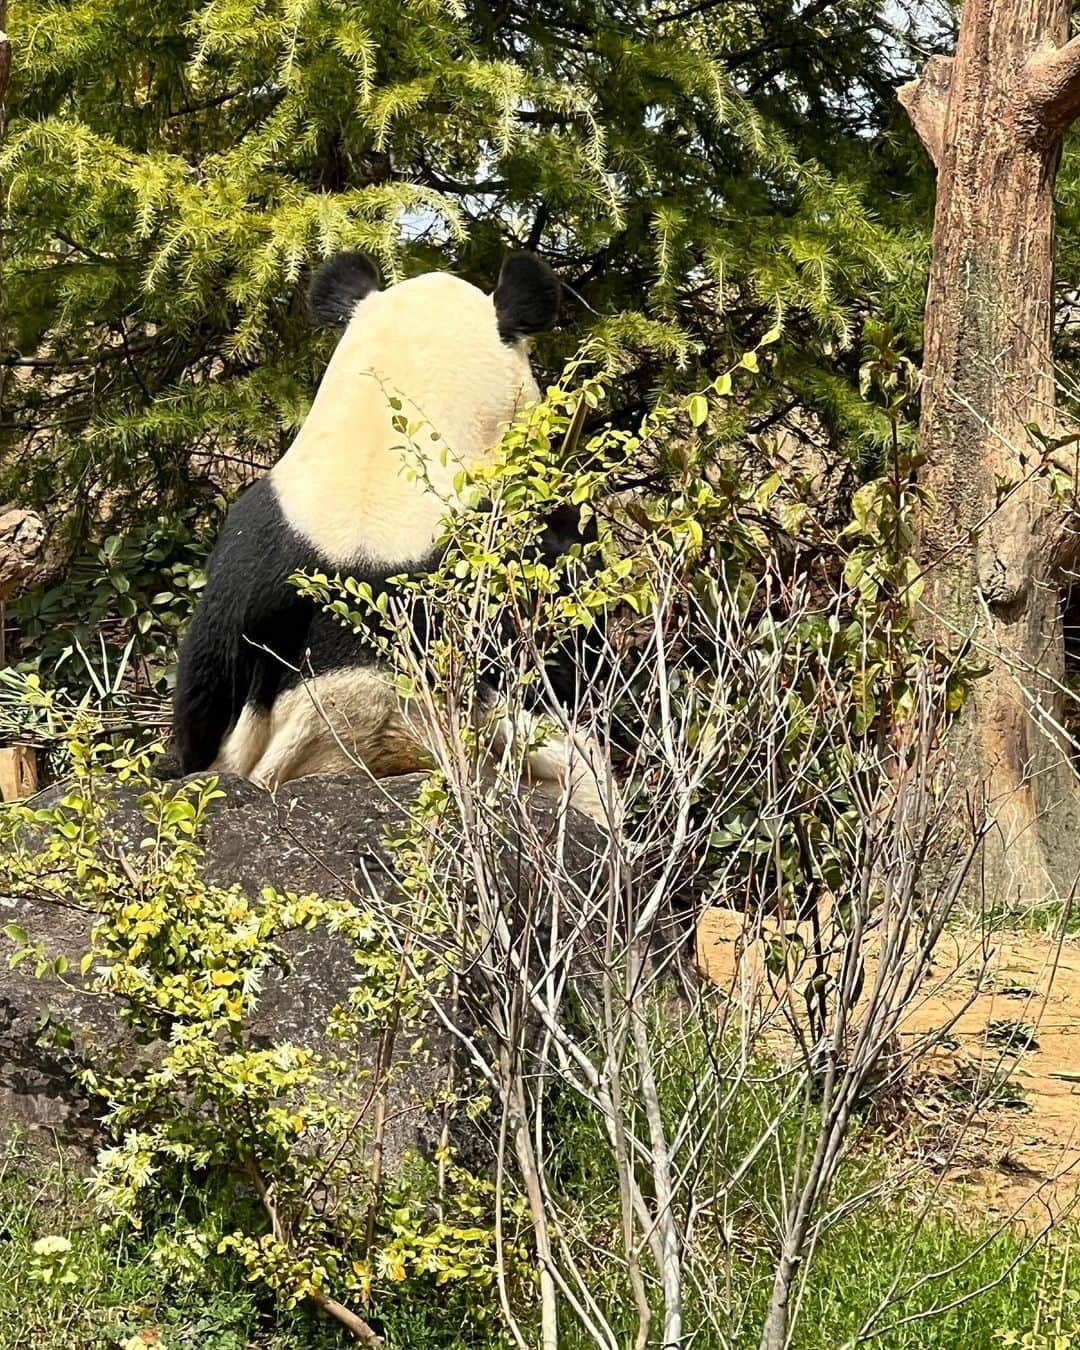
{"x":992,"y":118}
{"x":5,"y":63}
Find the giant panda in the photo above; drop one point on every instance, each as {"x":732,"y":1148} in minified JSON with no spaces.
{"x":269,"y":686}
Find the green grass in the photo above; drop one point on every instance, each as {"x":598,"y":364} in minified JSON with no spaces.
{"x":1025,"y":1291}
{"x":946,"y":1280}
{"x":119,"y":1285}
{"x":1051,"y":918}
{"x":121,"y":1289}
{"x":940,"y":1264}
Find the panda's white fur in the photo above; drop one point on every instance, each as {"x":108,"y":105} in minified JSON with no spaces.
{"x":350,"y":493}
{"x":335,"y":722}
{"x":454,"y":375}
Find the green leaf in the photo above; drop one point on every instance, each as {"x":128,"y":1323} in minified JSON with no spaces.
{"x":698,"y":408}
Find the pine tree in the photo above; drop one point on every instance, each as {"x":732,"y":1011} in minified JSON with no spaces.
{"x":174,"y":166}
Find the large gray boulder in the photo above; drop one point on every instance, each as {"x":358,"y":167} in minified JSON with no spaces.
{"x":323,"y":834}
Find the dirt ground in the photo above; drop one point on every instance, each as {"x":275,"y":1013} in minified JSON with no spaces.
{"x":1001,"y":1097}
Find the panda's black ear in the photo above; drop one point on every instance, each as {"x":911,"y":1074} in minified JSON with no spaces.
{"x":337,"y":287}
{"x":526,"y":298}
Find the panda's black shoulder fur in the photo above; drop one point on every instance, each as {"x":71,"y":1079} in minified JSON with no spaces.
{"x":527,"y":296}
{"x":575,"y":663}
{"x":253,"y":635}
{"x":337,"y":286}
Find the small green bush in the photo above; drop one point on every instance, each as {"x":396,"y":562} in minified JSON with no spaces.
{"x":278,"y":1136}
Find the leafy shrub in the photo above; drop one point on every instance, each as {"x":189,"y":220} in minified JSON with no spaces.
{"x":194,"y":1100}
{"x":769,"y":613}
{"x":132,"y":592}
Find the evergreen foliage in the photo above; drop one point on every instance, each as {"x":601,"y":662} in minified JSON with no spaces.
{"x":173,"y":167}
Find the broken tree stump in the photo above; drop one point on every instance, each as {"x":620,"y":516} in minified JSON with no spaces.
{"x":18,"y":772}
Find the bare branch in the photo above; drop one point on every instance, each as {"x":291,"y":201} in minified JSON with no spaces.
{"x":567,"y":993}
{"x":926,"y":100}
{"x":348,"y":1319}
{"x":670,"y":1262}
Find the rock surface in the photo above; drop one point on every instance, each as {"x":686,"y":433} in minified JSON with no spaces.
{"x":22,"y":545}
{"x":324,"y":834}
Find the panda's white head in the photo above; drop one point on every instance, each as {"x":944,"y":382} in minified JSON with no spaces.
{"x":439,"y":342}
{"x":526,"y":300}
{"x":453,"y":356}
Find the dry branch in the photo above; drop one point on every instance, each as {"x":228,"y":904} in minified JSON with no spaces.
{"x":353,"y":1323}
{"x":603,"y":938}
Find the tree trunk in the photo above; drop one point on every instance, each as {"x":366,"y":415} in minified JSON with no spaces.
{"x":992,"y":118}
{"x":5,"y":64}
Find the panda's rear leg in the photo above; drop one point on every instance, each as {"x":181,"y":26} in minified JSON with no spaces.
{"x":305,"y":736}
{"x":245,"y":744}
{"x":571,"y":768}
{"x":575,"y":768}
{"x":345,"y":721}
